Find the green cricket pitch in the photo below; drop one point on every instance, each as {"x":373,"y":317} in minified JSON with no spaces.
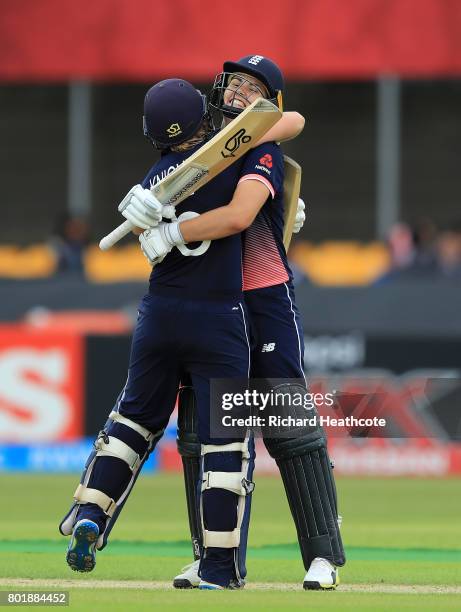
{"x":402,"y":540}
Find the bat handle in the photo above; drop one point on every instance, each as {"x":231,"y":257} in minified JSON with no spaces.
{"x":116,"y":235}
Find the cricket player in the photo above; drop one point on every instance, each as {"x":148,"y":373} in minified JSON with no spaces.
{"x":191,"y":323}
{"x":303,"y":461}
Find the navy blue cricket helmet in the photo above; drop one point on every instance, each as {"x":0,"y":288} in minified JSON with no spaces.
{"x":173,"y":112}
{"x":257,"y":66}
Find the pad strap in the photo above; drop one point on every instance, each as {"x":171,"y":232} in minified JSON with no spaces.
{"x":221,"y":539}
{"x":119,"y":418}
{"x":84,"y":495}
{"x":227,"y":448}
{"x":118,"y":448}
{"x":231,"y":481}
{"x":236,"y":482}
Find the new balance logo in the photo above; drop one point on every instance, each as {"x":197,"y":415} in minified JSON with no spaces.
{"x":268,"y":348}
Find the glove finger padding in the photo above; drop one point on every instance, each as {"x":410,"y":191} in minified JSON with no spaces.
{"x":156,"y":242}
{"x":300,"y":216}
{"x":141,"y":208}
{"x":152,"y":244}
{"x":152,"y":262}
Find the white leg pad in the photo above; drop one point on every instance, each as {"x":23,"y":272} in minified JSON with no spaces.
{"x":236,"y":482}
{"x":221,"y":539}
{"x":119,"y":418}
{"x":227,"y":448}
{"x":115,"y":448}
{"x":84,"y":495}
{"x":67,"y":525}
{"x":231,"y":481}
{"x":118,"y":448}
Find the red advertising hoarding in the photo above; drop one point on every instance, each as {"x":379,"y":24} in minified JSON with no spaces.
{"x":41,"y":385}
{"x":144,"y":40}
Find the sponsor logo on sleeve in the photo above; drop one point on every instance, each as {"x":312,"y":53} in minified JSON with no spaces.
{"x":266,"y":160}
{"x":265,"y":163}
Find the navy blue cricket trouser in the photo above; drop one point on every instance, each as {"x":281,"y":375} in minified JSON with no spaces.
{"x":277,"y":335}
{"x":173,"y":338}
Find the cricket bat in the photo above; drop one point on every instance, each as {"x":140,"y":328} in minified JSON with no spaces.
{"x":233,"y":141}
{"x":291,"y":189}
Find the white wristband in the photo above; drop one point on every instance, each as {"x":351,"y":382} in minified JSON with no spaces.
{"x":174,"y":234}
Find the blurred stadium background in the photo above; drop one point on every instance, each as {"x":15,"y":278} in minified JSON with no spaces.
{"x":377,"y":264}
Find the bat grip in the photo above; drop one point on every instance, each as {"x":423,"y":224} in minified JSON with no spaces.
{"x":116,"y":235}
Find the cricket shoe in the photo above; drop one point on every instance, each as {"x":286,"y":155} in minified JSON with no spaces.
{"x":234,"y":585}
{"x":209,"y":586}
{"x":322,"y":575}
{"x":81,"y":553}
{"x":189,"y":578}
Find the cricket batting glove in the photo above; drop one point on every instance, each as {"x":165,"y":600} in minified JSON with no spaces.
{"x":141,"y":208}
{"x":300,"y":216}
{"x":158,"y":241}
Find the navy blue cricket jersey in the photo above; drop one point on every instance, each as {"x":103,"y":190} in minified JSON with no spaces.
{"x":217,"y":274}
{"x":278,"y":338}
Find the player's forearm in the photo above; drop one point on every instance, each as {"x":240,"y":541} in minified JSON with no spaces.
{"x":239,"y":214}
{"x":288,"y":127}
{"x":218,"y":223}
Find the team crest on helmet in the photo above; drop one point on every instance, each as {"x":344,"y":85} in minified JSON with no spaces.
{"x":174,"y":130}
{"x":255,"y":59}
